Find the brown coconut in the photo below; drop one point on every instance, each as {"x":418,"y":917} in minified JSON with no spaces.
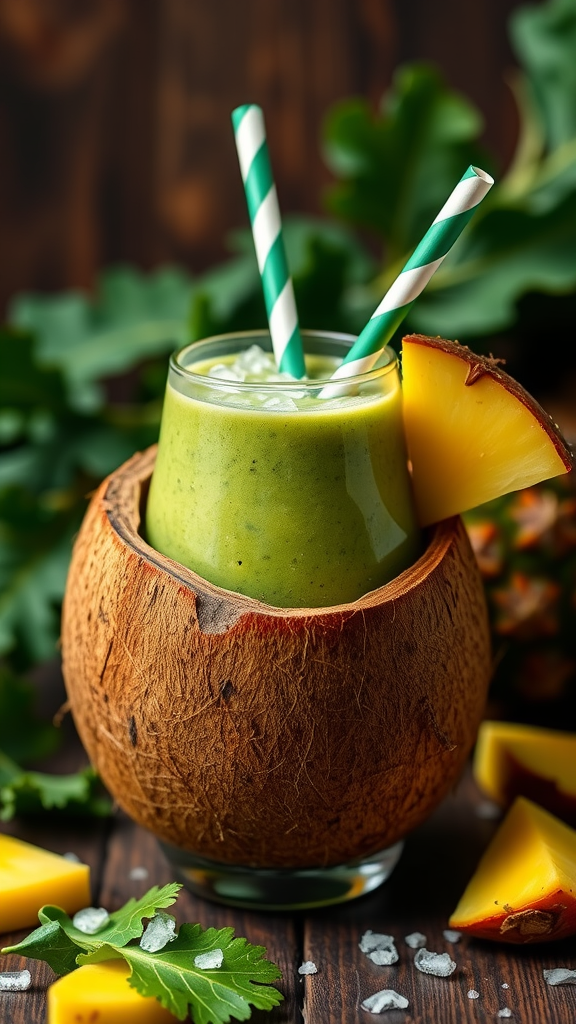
{"x":264,"y":736}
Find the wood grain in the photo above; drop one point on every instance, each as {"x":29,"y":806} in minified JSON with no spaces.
{"x":438,"y":859}
{"x":114,"y":115}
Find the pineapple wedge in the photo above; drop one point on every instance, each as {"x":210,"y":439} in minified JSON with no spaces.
{"x":524,"y":888}
{"x":473,"y":433}
{"x":512,"y":759}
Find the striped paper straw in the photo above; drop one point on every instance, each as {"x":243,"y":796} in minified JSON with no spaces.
{"x":262,"y":200}
{"x":424,"y":262}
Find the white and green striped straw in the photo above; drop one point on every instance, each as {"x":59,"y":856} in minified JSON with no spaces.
{"x":262,"y":200}
{"x":424,"y":262}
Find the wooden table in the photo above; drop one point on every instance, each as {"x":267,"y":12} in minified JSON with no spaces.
{"x":437,"y":861}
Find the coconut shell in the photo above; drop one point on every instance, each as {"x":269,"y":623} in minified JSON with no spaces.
{"x":262,"y":736}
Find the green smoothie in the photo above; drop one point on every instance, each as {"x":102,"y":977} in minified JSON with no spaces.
{"x":269,"y":490}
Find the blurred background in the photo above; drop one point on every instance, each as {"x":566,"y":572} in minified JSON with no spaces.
{"x":124,"y":233}
{"x":115,"y":135}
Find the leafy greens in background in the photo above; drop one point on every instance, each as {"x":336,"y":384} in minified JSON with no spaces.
{"x":82,"y":377}
{"x":394,"y":169}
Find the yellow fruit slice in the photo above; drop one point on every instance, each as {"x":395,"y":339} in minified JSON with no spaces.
{"x":100,"y":994}
{"x":473,"y":433}
{"x":513,"y":760}
{"x":524,"y":888}
{"x":31,"y":877}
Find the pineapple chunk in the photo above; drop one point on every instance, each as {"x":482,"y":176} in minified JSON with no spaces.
{"x":101,"y":993}
{"x":524,"y":888}
{"x":513,"y":760}
{"x":31,"y":877}
{"x":473,"y":433}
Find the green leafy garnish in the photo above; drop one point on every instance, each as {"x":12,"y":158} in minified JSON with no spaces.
{"x":211,"y":996}
{"x":25,"y":737}
{"x":27,"y":792}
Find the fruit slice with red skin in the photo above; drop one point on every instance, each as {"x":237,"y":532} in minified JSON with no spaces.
{"x":524,"y":888}
{"x":473,"y":432}
{"x":512,"y":759}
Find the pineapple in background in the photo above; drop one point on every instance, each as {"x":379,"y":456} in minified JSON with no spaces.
{"x":525,"y":544}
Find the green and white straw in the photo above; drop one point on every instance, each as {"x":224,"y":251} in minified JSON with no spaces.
{"x":424,"y":262}
{"x":264,"y":212}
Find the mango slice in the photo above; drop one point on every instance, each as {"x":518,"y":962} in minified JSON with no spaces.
{"x":512,"y":759}
{"x":524,"y":888}
{"x":100,"y":994}
{"x":473,"y":432}
{"x":31,"y":877}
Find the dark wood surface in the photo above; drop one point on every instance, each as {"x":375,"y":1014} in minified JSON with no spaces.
{"x":115,"y":129}
{"x":437,"y":861}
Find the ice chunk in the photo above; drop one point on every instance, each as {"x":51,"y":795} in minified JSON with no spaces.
{"x":473,"y":994}
{"x":504,"y":1012}
{"x":286,"y":378}
{"x":138,"y":874}
{"x":280,"y":403}
{"x":439,"y":964}
{"x":451,"y":936}
{"x":415,"y":940}
{"x":375,"y":940}
{"x":235,"y":399}
{"x":14,"y":981}
{"x":210,"y":960}
{"x":90,"y":920}
{"x":72,"y":857}
{"x":488,"y":810}
{"x":308,"y":967}
{"x":386,"y":999}
{"x":159,"y":931}
{"x":384,"y":957}
{"x":220,"y":371}
{"x":560,"y":976}
{"x":255,"y":360}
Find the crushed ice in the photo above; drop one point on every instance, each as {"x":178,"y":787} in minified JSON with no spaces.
{"x":386,"y":999}
{"x":560,"y":976}
{"x":255,"y":360}
{"x":375,"y":940}
{"x":14,"y":981}
{"x":504,"y":1012}
{"x":159,"y":931}
{"x":439,"y":964}
{"x":379,"y":948}
{"x":308,"y":967}
{"x":505,"y":985}
{"x":384,"y":957}
{"x":138,"y":874}
{"x":255,"y":366}
{"x":222,"y":372}
{"x":451,"y":936}
{"x":90,"y":919}
{"x":209,"y":961}
{"x":473,"y":994}
{"x":415,"y":940}
{"x":281,"y":403}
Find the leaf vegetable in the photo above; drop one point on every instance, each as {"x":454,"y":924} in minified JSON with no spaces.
{"x":210,"y":995}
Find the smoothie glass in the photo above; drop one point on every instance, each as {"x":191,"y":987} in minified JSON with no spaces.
{"x":280,"y":755}
{"x":268,"y":490}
